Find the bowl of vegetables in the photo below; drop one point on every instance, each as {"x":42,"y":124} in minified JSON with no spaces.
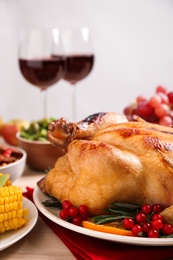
{"x":41,"y":154}
{"x":12,"y":161}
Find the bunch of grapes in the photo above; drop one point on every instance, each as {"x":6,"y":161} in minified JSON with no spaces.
{"x":157,"y":109}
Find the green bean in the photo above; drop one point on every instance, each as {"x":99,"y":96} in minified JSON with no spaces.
{"x":37,"y":130}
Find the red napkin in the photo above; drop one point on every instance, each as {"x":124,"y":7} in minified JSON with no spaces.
{"x":88,"y":248}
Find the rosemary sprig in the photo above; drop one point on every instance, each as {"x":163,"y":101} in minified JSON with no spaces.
{"x":123,"y":211}
{"x":52,"y":203}
{"x":125,"y":205}
{"x":165,"y":236}
{"x":103,"y":219}
{"x":119,"y":211}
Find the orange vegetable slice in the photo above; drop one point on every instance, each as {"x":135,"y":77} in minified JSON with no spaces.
{"x":111,"y":228}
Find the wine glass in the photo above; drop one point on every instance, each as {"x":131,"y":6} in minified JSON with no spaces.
{"x":79,"y":57}
{"x":41,"y":59}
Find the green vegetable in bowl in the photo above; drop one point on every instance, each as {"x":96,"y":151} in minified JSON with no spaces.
{"x":37,"y":130}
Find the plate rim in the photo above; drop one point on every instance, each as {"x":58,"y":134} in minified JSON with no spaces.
{"x":139,"y":241}
{"x":18,"y":234}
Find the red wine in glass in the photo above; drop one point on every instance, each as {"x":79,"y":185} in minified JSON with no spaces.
{"x":78,"y":49}
{"x":44,"y":72}
{"x":36,"y":63}
{"x":78,"y":67}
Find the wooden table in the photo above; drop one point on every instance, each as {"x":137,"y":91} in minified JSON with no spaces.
{"x":41,"y":242}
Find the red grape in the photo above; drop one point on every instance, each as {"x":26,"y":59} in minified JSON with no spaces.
{"x":157,"y":109}
{"x":161,"y":89}
{"x":166,"y":121}
{"x":164,"y":98}
{"x":155,"y":101}
{"x":170,"y":96}
{"x":140,"y":99}
{"x":162,"y":110}
{"x":144,"y":109}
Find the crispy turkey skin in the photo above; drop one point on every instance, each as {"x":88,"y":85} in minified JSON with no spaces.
{"x":125,"y":162}
{"x":61,"y":132}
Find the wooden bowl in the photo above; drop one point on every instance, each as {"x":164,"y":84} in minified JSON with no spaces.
{"x":41,"y":155}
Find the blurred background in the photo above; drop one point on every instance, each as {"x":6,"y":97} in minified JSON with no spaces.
{"x":133,"y":46}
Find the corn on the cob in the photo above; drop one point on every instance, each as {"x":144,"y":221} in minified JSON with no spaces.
{"x":12,"y":213}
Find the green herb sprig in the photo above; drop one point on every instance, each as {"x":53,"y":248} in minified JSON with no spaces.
{"x":117,"y":211}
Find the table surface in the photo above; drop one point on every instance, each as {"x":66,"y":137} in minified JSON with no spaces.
{"x":40,"y":242}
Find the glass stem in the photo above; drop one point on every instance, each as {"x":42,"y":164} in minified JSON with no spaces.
{"x":44,"y":102}
{"x":74,"y":102}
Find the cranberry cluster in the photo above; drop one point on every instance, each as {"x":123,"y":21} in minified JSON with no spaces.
{"x":73,"y":214}
{"x":148,"y":222}
{"x":157,"y":109}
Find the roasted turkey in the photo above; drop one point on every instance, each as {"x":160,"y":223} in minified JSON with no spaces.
{"x":123,"y":162}
{"x":61,"y":132}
